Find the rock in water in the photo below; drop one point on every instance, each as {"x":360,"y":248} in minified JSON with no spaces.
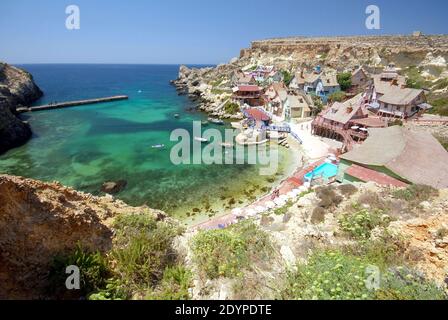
{"x":112,"y":187}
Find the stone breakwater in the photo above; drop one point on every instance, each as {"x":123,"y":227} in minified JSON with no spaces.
{"x":17,"y":88}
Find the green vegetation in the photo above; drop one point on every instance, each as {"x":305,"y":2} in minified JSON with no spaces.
{"x":337,"y":96}
{"x":218,"y":91}
{"x":335,"y":275}
{"x":345,"y":80}
{"x":142,"y":263}
{"x":414,"y":78}
{"x":359,"y":225}
{"x":142,"y":250}
{"x":440,"y":106}
{"x":174,"y":285}
{"x":440,"y":84}
{"x":231,"y":108}
{"x":229,"y":251}
{"x":443,"y":140}
{"x":317,"y":102}
{"x":287,"y":77}
{"x":416,"y":193}
{"x":93,"y":271}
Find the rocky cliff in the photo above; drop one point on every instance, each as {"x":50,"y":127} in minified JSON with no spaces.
{"x":41,"y":220}
{"x":16,"y":88}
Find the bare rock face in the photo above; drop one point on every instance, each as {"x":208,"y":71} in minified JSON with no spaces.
{"x":16,"y":88}
{"x":40,"y":220}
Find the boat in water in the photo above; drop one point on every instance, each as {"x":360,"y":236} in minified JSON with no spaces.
{"x":204,"y":122}
{"x":176,"y":115}
{"x":216,"y":121}
{"x":158,"y":146}
{"x":200,"y":139}
{"x":227,"y":145}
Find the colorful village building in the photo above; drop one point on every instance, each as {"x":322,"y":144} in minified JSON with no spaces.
{"x":389,"y":98}
{"x":360,"y":78}
{"x":248,"y":94}
{"x":396,"y":156}
{"x":348,"y":122}
{"x":298,"y":107}
{"x":276,"y":96}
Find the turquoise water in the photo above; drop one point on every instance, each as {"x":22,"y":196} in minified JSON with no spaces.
{"x":85,"y":146}
{"x":326,"y":170}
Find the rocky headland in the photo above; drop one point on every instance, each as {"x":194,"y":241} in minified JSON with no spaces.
{"x":17,"y":88}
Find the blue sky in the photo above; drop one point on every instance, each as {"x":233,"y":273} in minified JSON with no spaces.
{"x":190,"y":31}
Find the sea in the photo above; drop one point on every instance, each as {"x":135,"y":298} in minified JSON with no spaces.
{"x":83,"y":147}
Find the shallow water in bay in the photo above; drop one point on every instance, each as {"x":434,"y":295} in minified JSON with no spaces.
{"x":83,"y":147}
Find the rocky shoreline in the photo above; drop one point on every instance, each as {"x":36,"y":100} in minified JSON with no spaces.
{"x":17,"y":89}
{"x":196,"y":84}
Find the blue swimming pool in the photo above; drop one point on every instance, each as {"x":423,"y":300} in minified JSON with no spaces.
{"x":326,"y":170}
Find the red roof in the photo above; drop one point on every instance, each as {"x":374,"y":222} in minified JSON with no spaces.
{"x":370,"y":122}
{"x":258,"y":115}
{"x":249,"y":88}
{"x":367,"y":175}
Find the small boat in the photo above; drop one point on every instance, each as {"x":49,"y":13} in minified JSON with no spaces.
{"x":204,"y":122}
{"x":158,"y":146}
{"x":200,"y":139}
{"x":227,"y":145}
{"x":216,"y":121}
{"x":176,"y":115}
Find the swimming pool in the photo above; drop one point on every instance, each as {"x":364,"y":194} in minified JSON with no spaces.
{"x":326,"y":170}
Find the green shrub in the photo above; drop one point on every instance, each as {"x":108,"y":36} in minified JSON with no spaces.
{"x":287,"y":77}
{"x":328,"y":197}
{"x":347,"y":189}
{"x":416,"y":193}
{"x":93,"y":272}
{"x":359,"y":225}
{"x":174,"y":285}
{"x":331,"y":275}
{"x":345,"y":80}
{"x":231,"y":108}
{"x":142,"y":250}
{"x":406,"y":284}
{"x":337,"y":96}
{"x":226,"y":252}
{"x":328,"y":275}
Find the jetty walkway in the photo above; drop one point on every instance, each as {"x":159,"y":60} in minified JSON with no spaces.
{"x":68,"y":104}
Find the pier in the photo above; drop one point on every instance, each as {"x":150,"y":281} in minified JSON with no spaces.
{"x":68,"y":104}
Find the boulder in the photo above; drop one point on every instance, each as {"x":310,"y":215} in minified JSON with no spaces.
{"x":113,"y":187}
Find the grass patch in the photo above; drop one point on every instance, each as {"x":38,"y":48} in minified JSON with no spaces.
{"x":227,"y":252}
